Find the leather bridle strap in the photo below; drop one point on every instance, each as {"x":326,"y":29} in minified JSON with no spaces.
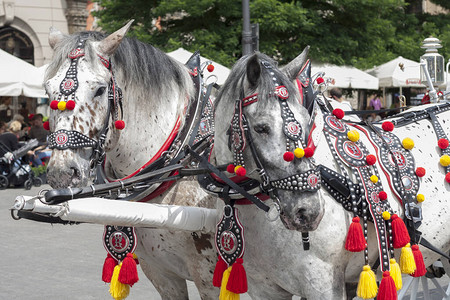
{"x":204,"y":162}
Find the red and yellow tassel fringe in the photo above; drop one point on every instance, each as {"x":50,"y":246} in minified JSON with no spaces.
{"x":231,"y":280}
{"x":120,"y":276}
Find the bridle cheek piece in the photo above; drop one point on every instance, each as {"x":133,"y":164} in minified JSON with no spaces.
{"x":240,"y":137}
{"x":64,"y":139}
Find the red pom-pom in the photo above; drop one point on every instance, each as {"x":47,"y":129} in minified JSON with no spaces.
{"x":420,"y":172}
{"x":230,"y":168}
{"x":46,"y":125}
{"x":371,"y":159}
{"x":237,"y":282}
{"x":70,"y":105}
{"x":288,"y":156}
{"x":382,"y":195}
{"x":30,"y":117}
{"x":400,"y":234}
{"x":241,"y":172}
{"x":447,"y":177}
{"x":338,"y":113}
{"x":387,"y":289}
{"x":418,"y":259}
{"x":119,"y":124}
{"x":443,"y":143}
{"x":387,"y":126}
{"x":54,"y":105}
{"x":309,"y":152}
{"x":221,"y":266}
{"x":320,"y":80}
{"x":355,"y":241}
{"x":128,"y":272}
{"x":108,"y":268}
{"x":210,"y":68}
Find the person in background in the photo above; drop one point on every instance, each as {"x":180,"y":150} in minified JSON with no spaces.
{"x":37,"y":130}
{"x":374,"y":117}
{"x":10,"y":142}
{"x":375,"y":103}
{"x":337,"y":101}
{"x":24,"y":110}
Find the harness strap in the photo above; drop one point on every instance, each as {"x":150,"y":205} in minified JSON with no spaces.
{"x":228,"y":181}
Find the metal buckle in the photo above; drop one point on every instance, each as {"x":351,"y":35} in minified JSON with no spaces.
{"x":416,"y":211}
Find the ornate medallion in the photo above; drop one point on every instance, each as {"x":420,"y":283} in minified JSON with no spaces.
{"x":119,"y":241}
{"x":335,"y":123}
{"x":282,"y":92}
{"x":229,"y":239}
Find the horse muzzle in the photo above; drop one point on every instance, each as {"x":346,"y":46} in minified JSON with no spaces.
{"x":67,"y":169}
{"x":304,"y":214}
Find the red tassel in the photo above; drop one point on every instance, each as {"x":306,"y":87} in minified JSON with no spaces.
{"x":221,"y":266}
{"x":128,"y":273}
{"x":418,"y":259}
{"x":400,"y":234}
{"x":237,"y":283}
{"x":108,"y":268}
{"x":387,"y":289}
{"x":355,"y":241}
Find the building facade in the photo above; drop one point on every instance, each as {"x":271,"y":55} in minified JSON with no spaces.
{"x":25,"y":24}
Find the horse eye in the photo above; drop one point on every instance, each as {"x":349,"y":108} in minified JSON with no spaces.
{"x":262,"y":128}
{"x":100,"y":91}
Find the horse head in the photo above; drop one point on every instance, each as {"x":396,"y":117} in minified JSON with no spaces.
{"x":268,"y":125}
{"x":85,"y":102}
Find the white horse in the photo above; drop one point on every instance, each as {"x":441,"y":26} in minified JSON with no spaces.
{"x":275,"y":258}
{"x":156,"y":90}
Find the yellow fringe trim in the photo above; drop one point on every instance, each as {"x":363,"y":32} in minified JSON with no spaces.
{"x":407,"y":263}
{"x":224,"y":293}
{"x":367,"y":285}
{"x":396,"y":274}
{"x":118,"y":290}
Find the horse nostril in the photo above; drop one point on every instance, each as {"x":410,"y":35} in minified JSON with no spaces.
{"x":301,"y":212}
{"x":75,"y":172}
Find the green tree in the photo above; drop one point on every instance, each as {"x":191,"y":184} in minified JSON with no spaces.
{"x":360,"y":33}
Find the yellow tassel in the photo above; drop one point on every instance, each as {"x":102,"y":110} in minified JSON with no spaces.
{"x":367,"y":285}
{"x":407,"y":263}
{"x":396,"y":274}
{"x":224,"y":293}
{"x":118,"y":290}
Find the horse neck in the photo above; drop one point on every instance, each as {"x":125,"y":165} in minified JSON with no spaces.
{"x":149,"y":120}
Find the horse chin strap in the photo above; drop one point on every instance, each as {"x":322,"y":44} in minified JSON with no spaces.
{"x":63,"y":139}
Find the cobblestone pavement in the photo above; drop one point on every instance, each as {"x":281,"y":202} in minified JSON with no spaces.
{"x":52,"y":262}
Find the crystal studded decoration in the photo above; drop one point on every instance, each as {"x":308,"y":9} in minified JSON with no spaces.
{"x":306,"y":181}
{"x":64,"y":139}
{"x":229,"y":239}
{"x":353,"y":154}
{"x":69,"y":84}
{"x":119,"y":241}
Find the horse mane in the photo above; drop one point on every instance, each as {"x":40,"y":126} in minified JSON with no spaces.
{"x":142,"y":71}
{"x":232,"y":88}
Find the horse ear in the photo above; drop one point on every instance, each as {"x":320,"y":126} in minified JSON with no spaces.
{"x":293,"y":68}
{"x":109,"y":44}
{"x":54,"y":37}
{"x":253,"y":70}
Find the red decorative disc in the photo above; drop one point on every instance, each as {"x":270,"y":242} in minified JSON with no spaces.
{"x":282,"y":92}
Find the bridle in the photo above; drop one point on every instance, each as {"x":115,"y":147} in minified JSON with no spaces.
{"x":240,"y":137}
{"x":71,"y":139}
